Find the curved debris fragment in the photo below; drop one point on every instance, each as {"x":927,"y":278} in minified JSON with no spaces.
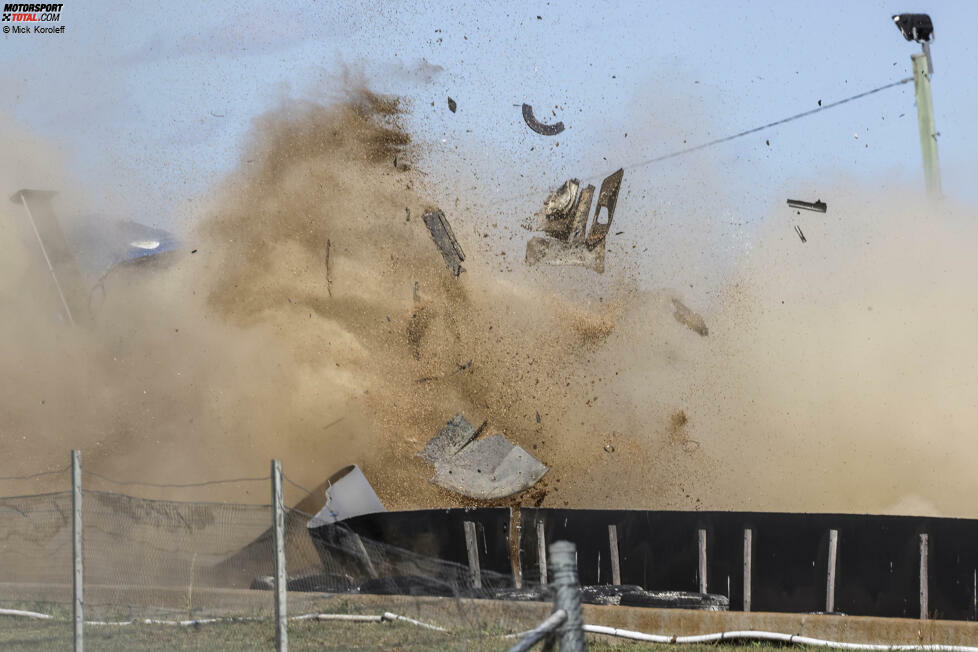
{"x":489,"y":468}
{"x":540,"y":127}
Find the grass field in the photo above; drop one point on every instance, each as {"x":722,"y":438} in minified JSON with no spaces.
{"x":23,"y":634}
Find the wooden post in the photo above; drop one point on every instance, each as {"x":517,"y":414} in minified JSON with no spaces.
{"x":77,"y":558}
{"x":830,"y":572}
{"x":925,"y":121}
{"x":615,"y":559}
{"x":702,"y":566}
{"x":472,"y":547}
{"x":567,"y":595}
{"x":748,"y":545}
{"x":923,"y":577}
{"x":541,"y":552}
{"x":281,"y":578}
{"x":364,"y":555}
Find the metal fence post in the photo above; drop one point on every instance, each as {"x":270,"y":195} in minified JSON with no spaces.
{"x":78,"y":608}
{"x":567,"y":595}
{"x":281,"y":579}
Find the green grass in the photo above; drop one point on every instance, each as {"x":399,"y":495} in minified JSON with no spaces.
{"x":24,"y":634}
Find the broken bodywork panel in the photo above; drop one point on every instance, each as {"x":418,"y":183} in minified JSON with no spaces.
{"x":564,"y":219}
{"x":485,"y":469}
{"x":452,"y":438}
{"x":441,"y":233}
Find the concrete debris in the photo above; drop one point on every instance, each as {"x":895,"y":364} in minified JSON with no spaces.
{"x":564,"y":218}
{"x":540,"y":127}
{"x":441,"y":233}
{"x":484,"y":469}
{"x":689,"y":319}
{"x":818,"y":205}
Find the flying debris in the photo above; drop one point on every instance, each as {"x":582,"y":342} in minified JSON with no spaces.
{"x":800,"y":233}
{"x":540,"y":127}
{"x":484,"y":469}
{"x":564,"y":219}
{"x":691,"y":320}
{"x":441,"y":233}
{"x":452,"y":105}
{"x":818,"y":205}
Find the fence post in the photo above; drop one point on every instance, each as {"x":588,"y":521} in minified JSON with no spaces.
{"x":701,"y":535}
{"x":472,"y":548}
{"x":830,"y":571}
{"x":281,"y":578}
{"x":567,"y":595}
{"x":923,"y":576}
{"x":748,"y":545}
{"x":615,"y":556}
{"x":541,"y":552}
{"x":77,"y":560}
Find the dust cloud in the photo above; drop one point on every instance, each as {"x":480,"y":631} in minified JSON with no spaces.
{"x":315,"y":322}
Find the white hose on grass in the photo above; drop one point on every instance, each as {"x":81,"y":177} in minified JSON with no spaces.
{"x":357,"y":618}
{"x":791,"y":639}
{"x":25,"y":614}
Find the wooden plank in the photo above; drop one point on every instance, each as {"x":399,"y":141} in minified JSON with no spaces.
{"x":77,"y":556}
{"x":281,"y":578}
{"x":701,"y":534}
{"x":923,"y":576}
{"x":541,"y":552}
{"x":472,"y":547}
{"x":830,"y":571}
{"x":748,"y":552}
{"x":615,"y":559}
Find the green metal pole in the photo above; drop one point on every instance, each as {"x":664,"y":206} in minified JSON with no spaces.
{"x":925,"y":119}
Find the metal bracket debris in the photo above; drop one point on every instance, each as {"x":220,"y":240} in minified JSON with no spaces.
{"x":441,"y":233}
{"x":484,"y":469}
{"x":540,"y":127}
{"x":564,"y":219}
{"x":818,"y":205}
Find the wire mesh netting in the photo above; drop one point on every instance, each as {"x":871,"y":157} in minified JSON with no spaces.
{"x":186,"y":564}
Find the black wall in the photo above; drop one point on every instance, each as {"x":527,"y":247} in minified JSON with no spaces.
{"x":877,"y":570}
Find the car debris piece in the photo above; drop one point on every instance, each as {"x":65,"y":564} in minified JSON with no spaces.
{"x":689,"y":319}
{"x":540,"y":127}
{"x":452,"y":438}
{"x":452,"y":105}
{"x":441,"y":233}
{"x":557,"y":252}
{"x":800,"y":234}
{"x":484,"y":469}
{"x":818,"y":205}
{"x":607,"y":199}
{"x":564,"y":218}
{"x":489,"y":468}
{"x":348,"y":494}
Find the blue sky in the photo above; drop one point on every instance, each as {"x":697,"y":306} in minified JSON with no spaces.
{"x":151,"y":102}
